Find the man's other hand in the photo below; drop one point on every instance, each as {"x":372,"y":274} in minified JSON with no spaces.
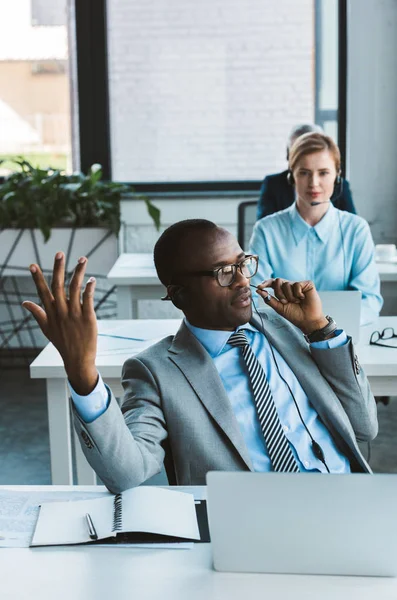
{"x":298,"y":302}
{"x":69,"y":321}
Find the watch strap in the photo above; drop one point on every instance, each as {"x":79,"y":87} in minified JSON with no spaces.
{"x":319,"y":335}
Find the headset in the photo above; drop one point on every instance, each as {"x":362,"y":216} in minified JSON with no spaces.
{"x":317,"y":450}
{"x":338,"y":187}
{"x":176,"y":296}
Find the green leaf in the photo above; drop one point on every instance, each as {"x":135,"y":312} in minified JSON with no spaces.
{"x":44,"y":198}
{"x":95,"y":173}
{"x":154,"y":212}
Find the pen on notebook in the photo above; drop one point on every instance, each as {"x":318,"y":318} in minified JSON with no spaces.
{"x":91,"y":529}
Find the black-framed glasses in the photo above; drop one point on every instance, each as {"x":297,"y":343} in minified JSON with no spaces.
{"x":226,"y":275}
{"x":386,"y":334}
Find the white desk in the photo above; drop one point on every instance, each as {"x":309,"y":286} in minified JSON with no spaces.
{"x":94,"y":573}
{"x":380,"y":365}
{"x":136,"y":279}
{"x":387,"y":271}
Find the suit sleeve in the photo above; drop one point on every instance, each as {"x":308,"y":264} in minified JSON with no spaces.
{"x":266,"y":203}
{"x":124,"y":446}
{"x":340,"y":367}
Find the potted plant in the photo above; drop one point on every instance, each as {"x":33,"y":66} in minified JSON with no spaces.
{"x":50,"y":200}
{"x":46,"y":210}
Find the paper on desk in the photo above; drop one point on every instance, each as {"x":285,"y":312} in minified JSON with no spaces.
{"x":19,"y":512}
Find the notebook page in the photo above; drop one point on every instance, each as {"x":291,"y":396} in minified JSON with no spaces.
{"x":156,"y":510}
{"x":65,"y":522}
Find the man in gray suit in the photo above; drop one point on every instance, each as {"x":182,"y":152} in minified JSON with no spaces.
{"x":264,"y":399}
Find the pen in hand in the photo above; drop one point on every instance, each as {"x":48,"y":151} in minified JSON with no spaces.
{"x":91,"y":529}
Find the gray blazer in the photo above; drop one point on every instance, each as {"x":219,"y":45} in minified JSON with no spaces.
{"x":175,"y":402}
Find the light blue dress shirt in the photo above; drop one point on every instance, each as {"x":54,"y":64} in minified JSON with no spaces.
{"x":336,"y":254}
{"x":230,"y":365}
{"x":231,"y":368}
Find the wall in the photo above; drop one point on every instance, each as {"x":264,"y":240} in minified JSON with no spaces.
{"x":372,"y":114}
{"x":207,"y":90}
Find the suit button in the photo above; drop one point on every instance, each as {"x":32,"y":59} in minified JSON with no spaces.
{"x":86,"y":440}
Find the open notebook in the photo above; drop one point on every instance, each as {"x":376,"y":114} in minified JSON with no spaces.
{"x":140,"y":514}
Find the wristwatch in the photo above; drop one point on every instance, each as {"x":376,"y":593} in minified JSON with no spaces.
{"x":319,"y":335}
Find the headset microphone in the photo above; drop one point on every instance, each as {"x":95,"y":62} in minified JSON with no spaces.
{"x":317,"y":203}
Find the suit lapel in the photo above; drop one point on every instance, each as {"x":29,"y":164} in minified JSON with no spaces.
{"x":197,"y":366}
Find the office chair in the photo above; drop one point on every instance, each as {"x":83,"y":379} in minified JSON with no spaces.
{"x":246,"y":219}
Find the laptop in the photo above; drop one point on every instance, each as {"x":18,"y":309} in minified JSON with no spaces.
{"x":345,"y":308}
{"x":303,"y":523}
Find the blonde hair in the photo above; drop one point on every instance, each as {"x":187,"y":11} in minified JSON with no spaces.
{"x":308,"y":143}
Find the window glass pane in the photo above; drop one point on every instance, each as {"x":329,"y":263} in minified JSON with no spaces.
{"x":34,"y":83}
{"x":209,"y":90}
{"x":327,"y":66}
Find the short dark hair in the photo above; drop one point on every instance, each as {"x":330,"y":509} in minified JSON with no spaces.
{"x":173,"y":243}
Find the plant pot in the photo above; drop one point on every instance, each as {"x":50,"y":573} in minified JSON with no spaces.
{"x":19,"y":248}
{"x":30,"y":247}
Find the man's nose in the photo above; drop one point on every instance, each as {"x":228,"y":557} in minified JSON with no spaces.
{"x":240,"y":279}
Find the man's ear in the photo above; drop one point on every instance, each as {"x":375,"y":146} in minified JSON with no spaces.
{"x":176,"y":294}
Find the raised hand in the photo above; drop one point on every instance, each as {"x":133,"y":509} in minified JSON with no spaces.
{"x":69,"y":322}
{"x":298,"y":302}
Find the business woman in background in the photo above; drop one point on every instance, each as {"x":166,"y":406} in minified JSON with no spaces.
{"x":276,"y":193}
{"x":314,"y":240}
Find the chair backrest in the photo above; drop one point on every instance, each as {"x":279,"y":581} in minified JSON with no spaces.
{"x":246,"y":218}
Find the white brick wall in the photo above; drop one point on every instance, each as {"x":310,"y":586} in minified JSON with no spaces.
{"x":207,"y":90}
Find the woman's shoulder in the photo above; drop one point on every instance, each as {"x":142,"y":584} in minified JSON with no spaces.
{"x":275,"y":219}
{"x":352,"y":220}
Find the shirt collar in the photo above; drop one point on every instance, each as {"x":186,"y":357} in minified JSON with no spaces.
{"x":323,"y":229}
{"x":215,"y":340}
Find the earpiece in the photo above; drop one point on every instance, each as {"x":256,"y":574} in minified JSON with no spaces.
{"x":290,"y":177}
{"x":176,"y":293}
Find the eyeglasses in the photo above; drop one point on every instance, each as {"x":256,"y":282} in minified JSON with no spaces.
{"x":226,"y":275}
{"x":387,"y":334}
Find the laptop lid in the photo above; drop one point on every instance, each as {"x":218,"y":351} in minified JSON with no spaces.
{"x":345,"y":308}
{"x":303,"y":523}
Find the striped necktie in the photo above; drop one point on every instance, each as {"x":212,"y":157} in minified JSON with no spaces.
{"x":279,"y":450}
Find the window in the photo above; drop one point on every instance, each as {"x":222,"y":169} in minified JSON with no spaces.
{"x":327,"y":66}
{"x":48,"y":13}
{"x":207,"y":91}
{"x":34,"y":84}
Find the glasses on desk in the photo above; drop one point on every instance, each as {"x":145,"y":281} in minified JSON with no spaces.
{"x":377,"y":338}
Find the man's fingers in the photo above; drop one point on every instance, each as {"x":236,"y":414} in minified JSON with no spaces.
{"x":75,"y":286}
{"x":276,"y":285}
{"x":278,"y":290}
{"x":271,"y":301}
{"x":297,"y":288}
{"x":288,"y":290}
{"x":42,"y":288}
{"x":58,"y":284}
{"x":88,"y":298}
{"x":39,"y":314}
